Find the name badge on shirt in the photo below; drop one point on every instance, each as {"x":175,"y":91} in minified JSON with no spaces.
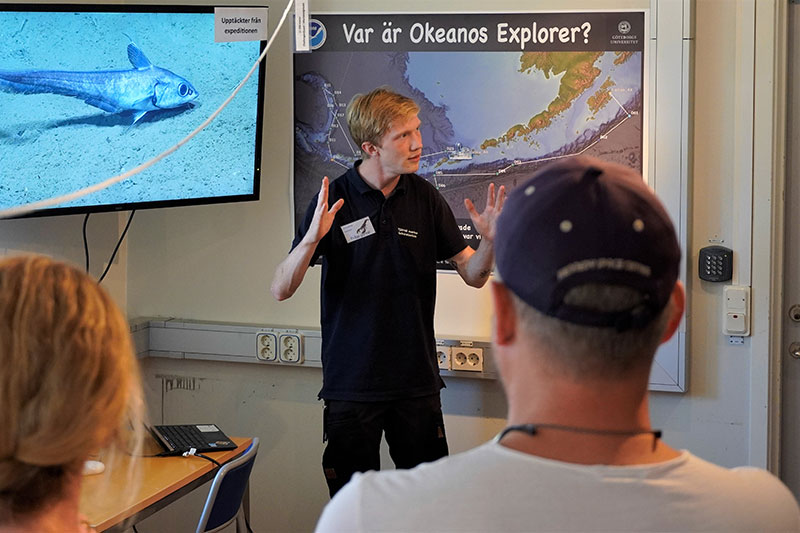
{"x":358,"y":229}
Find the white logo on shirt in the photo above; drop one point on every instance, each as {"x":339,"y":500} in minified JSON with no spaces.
{"x":403,"y":232}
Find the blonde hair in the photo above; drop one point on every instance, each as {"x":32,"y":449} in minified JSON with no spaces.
{"x":69,"y":380}
{"x":369,"y":116}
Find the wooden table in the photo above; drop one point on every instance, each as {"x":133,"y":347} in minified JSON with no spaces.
{"x":162,"y":480}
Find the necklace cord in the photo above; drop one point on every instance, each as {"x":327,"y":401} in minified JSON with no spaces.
{"x":533,"y":429}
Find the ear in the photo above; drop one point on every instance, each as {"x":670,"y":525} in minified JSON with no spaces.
{"x":504,"y":326}
{"x":677,"y":303}
{"x":368,"y":148}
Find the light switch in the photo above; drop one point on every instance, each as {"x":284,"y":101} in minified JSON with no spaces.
{"x":737,"y":311}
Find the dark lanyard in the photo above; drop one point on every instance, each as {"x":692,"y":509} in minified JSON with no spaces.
{"x":533,"y":429}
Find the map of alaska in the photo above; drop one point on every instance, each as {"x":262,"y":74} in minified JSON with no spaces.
{"x":486,"y":116}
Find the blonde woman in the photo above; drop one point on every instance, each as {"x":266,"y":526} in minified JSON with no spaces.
{"x":69,"y":387}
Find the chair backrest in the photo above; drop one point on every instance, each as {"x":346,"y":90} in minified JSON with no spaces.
{"x":227,"y":490}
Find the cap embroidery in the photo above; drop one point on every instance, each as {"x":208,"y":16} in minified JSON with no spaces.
{"x":529,"y":190}
{"x":603,"y":263}
{"x":638,"y":225}
{"x":565,"y":226}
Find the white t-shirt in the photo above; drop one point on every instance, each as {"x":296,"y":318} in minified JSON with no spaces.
{"x":494,"y":488}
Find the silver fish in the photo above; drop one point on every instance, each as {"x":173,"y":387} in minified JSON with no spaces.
{"x":144,"y":88}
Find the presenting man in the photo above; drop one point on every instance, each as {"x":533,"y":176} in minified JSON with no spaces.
{"x":380,"y":240}
{"x":588,"y":264}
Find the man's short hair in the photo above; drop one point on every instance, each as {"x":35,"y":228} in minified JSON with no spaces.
{"x":369,"y":116}
{"x":589,"y":249}
{"x":587,"y":351}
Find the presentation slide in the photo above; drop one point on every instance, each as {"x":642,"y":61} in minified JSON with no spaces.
{"x":499,"y":94}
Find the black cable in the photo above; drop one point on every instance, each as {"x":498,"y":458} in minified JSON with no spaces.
{"x":116,"y":248}
{"x":207,"y":458}
{"x":86,"y":242}
{"x":174,"y":453}
{"x":134,"y":529}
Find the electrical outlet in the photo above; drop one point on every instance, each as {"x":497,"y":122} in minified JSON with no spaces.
{"x":467,"y":359}
{"x":267,"y":347}
{"x":459,"y":359}
{"x":290,"y":348}
{"x":443,"y":354}
{"x":475,"y":359}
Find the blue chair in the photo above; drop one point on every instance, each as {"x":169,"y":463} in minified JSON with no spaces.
{"x":228,"y":498}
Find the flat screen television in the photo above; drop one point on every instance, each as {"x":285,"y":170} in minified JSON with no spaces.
{"x":88,"y":92}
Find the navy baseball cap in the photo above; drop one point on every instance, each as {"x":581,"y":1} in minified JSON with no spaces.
{"x":583,"y":220}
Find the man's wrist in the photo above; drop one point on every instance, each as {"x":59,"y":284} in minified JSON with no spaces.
{"x":486,"y":243}
{"x":309,"y":241}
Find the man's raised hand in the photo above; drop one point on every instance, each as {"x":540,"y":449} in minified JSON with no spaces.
{"x":485,"y":222}
{"x":323,"y":217}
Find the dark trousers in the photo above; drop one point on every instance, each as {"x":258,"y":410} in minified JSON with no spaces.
{"x":414,"y":431}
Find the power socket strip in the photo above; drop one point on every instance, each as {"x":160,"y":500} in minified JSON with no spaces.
{"x":290,"y":348}
{"x":267,"y":347}
{"x":467,"y":359}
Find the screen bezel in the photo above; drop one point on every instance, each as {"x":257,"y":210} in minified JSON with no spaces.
{"x":177,"y":202}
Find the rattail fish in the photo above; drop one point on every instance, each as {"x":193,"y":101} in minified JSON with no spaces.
{"x":144,"y":88}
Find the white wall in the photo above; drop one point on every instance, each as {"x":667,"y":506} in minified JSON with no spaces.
{"x":62,"y":238}
{"x":215,"y":263}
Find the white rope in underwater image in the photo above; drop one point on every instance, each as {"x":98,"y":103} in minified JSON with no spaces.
{"x":31,"y":207}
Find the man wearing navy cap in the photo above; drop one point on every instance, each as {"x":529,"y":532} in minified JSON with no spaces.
{"x":380,"y":230}
{"x":587,"y":288}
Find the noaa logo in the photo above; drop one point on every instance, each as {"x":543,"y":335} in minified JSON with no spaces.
{"x":318,"y":33}
{"x":624,"y":27}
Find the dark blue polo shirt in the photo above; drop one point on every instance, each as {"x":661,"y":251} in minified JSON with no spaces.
{"x":378,"y":292}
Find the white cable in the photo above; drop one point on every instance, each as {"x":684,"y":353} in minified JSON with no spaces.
{"x":31,"y":207}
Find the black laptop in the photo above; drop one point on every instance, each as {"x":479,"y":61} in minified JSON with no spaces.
{"x":176,"y":439}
